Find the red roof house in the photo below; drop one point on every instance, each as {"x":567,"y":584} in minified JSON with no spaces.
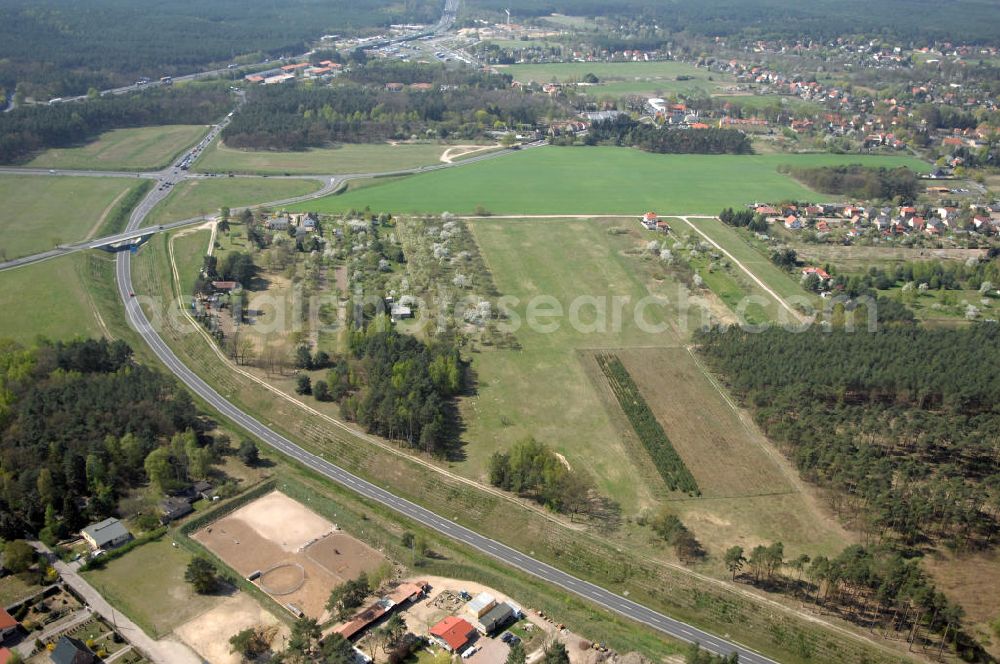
{"x":452,"y":633}
{"x":7,"y":624}
{"x":5,"y":655}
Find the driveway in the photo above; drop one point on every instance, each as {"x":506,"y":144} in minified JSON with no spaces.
{"x":164,"y":651}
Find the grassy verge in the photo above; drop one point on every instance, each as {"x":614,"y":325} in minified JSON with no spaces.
{"x":133,"y":149}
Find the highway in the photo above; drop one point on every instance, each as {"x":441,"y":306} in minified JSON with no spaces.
{"x":589,"y":591}
{"x":173,"y":175}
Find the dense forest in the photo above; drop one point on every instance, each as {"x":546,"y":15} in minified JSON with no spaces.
{"x":53,"y":48}
{"x":857,"y":181}
{"x":625,"y":131}
{"x":80,"y":424}
{"x":28,"y":129}
{"x":360,"y":109}
{"x":399,"y":387}
{"x":902,"y":423}
{"x":922,"y":20}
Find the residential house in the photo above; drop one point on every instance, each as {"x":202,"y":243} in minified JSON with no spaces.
{"x":819,"y":272}
{"x":225,"y":286}
{"x":822,"y":226}
{"x":649,"y":220}
{"x":106,"y":534}
{"x":766,"y":210}
{"x":662,"y":226}
{"x":792,"y":222}
{"x":452,"y":633}
{"x":173,"y":508}
{"x":8,"y":625}
{"x":71,"y":651}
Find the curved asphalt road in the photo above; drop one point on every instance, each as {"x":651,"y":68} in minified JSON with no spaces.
{"x":609,"y":600}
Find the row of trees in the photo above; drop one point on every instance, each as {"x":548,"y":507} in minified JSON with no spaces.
{"x":861,"y":182}
{"x":744,"y":219}
{"x":625,"y":131}
{"x":28,"y":129}
{"x":665,"y":458}
{"x":981,"y":274}
{"x":77,"y":423}
{"x":876,"y":587}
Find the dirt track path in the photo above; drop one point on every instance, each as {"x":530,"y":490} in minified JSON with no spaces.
{"x":687,"y":220}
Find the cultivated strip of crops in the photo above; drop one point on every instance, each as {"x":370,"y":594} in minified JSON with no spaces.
{"x":665,"y":458}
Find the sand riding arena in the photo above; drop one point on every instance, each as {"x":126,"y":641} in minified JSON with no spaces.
{"x":290,"y":552}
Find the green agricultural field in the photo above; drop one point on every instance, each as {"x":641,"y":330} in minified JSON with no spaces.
{"x":619,"y":78}
{"x":49,"y":299}
{"x":347,"y":158}
{"x":148,"y":585}
{"x":599,"y":181}
{"x":193,"y":198}
{"x":43,"y":211}
{"x":143,"y":148}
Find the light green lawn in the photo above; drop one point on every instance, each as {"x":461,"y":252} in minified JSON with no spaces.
{"x":48,"y":299}
{"x":347,"y":158}
{"x":42,"y":211}
{"x":193,"y":198}
{"x":618,"y":78}
{"x":142,"y":148}
{"x":597,"y":180}
{"x":543,"y":389}
{"x":148,"y":585}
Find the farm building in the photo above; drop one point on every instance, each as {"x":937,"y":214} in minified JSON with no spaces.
{"x":106,"y":534}
{"x":480,"y":605}
{"x":173,"y":508}
{"x":494,"y":619}
{"x":452,"y":633}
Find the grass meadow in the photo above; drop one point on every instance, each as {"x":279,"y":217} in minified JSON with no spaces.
{"x":54,"y":299}
{"x":620,"y":78}
{"x":550,"y":388}
{"x":347,"y":158}
{"x":142,"y":148}
{"x":596,"y":180}
{"x":148,"y":585}
{"x":193,"y":198}
{"x":43,"y":211}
